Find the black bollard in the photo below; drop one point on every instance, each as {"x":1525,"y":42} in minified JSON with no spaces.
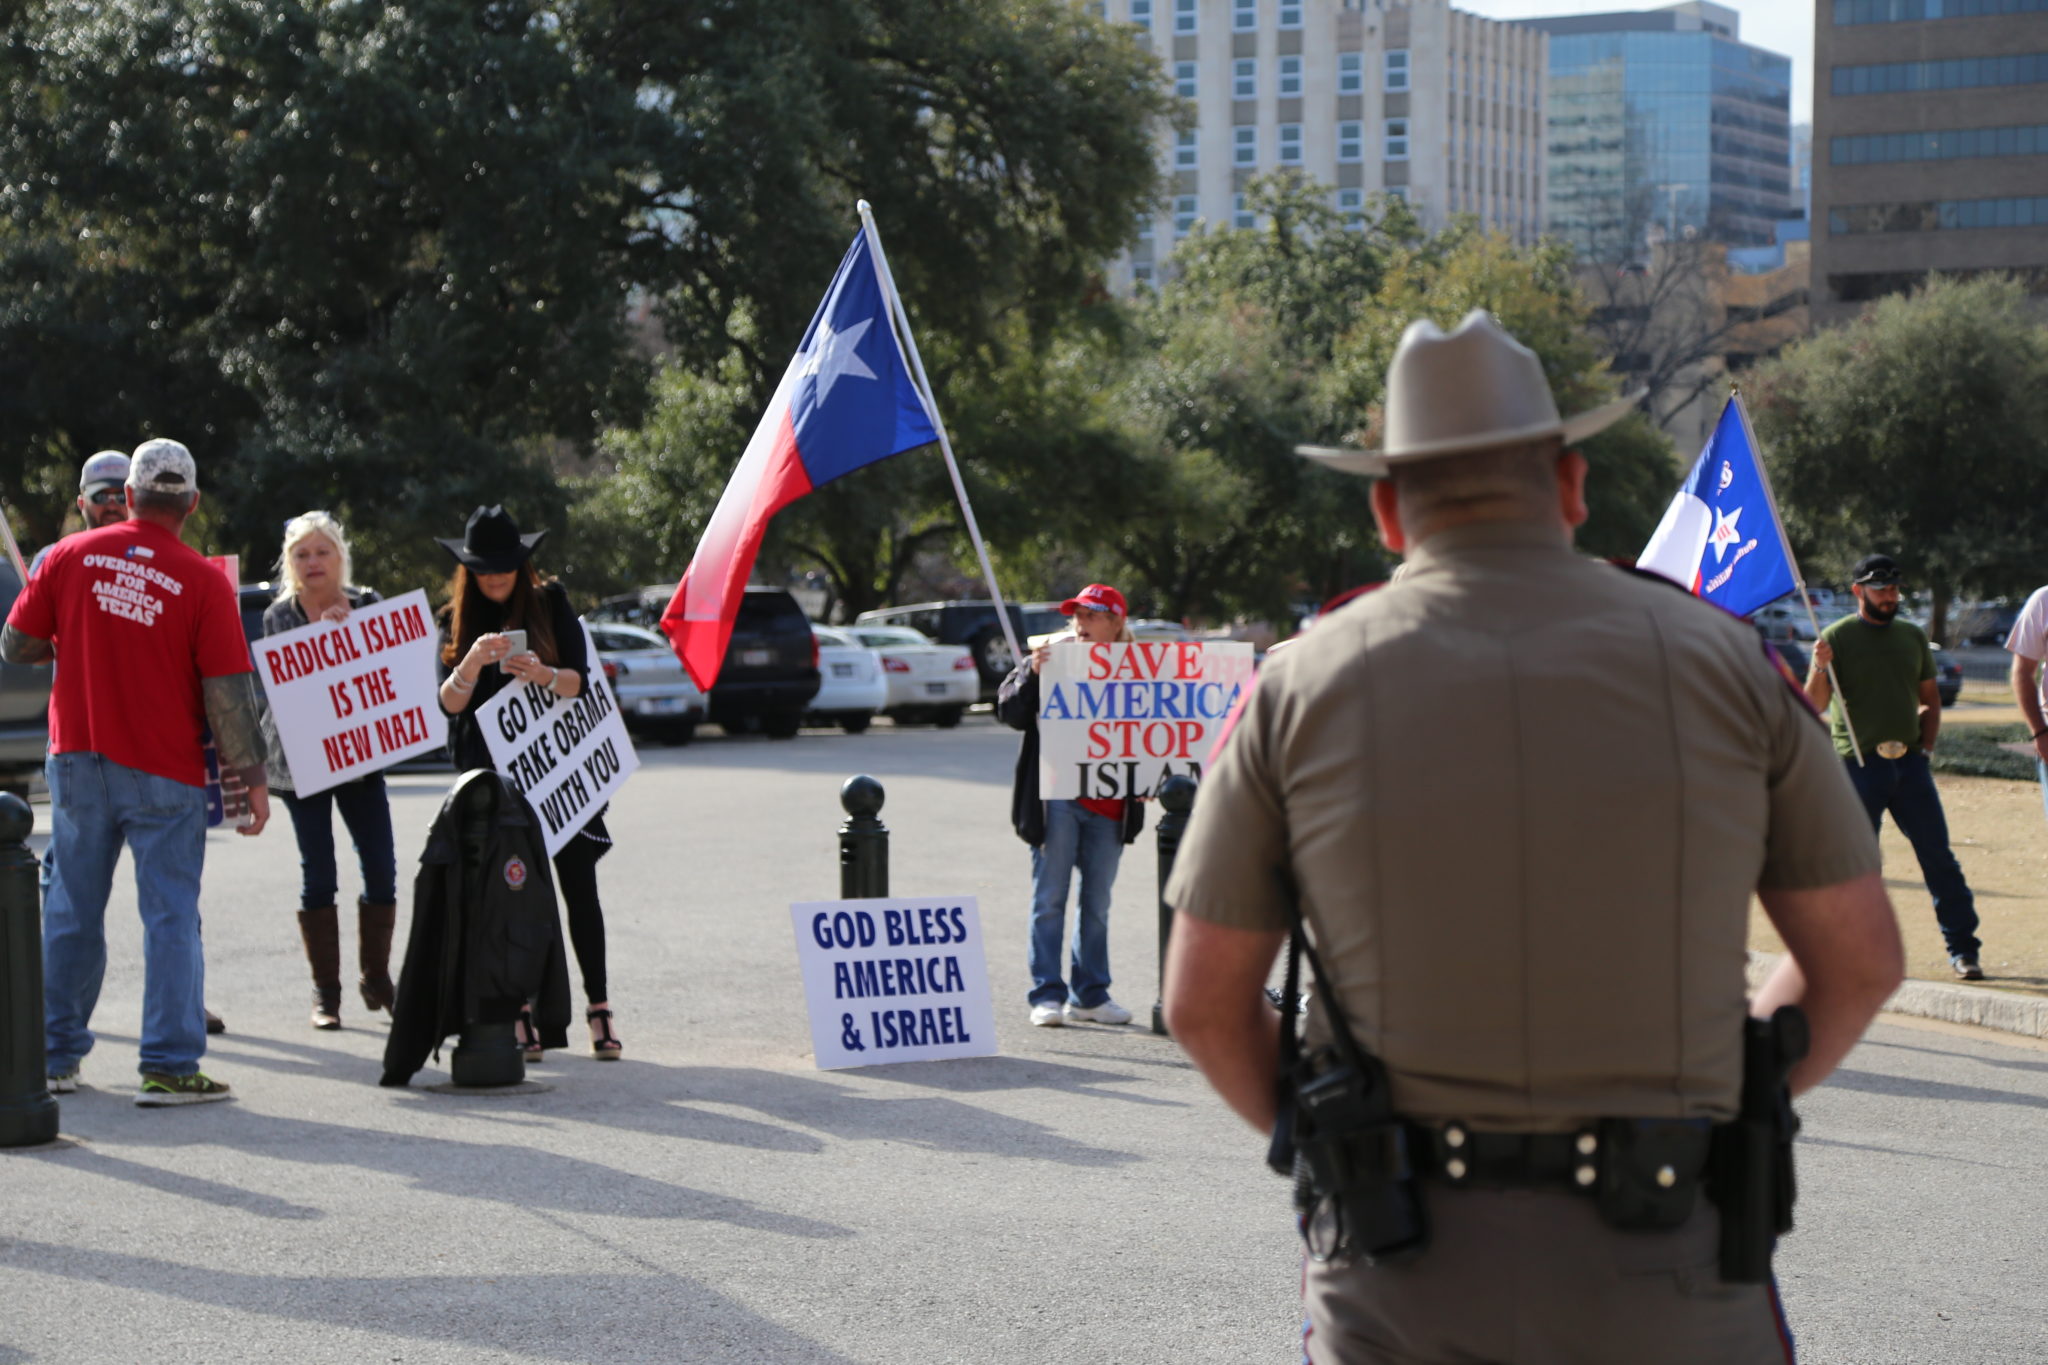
{"x":1176,"y":800}
{"x":863,"y":841}
{"x":28,"y":1113}
{"x":485,"y":1055}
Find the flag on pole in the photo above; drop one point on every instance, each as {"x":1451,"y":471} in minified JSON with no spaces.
{"x":846,"y":400}
{"x":1720,"y":538}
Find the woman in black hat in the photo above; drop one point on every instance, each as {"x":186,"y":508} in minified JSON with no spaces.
{"x":496,"y":589}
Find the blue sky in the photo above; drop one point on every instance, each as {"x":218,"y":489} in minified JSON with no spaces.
{"x":1782,"y":26}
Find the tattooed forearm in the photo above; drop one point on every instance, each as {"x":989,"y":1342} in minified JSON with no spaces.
{"x":19,"y":647}
{"x":232,"y":711}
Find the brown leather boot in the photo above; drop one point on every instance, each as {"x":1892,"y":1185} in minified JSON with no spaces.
{"x":321,"y":930}
{"x":373,"y":953}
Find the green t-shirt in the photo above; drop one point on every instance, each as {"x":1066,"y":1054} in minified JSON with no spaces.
{"x":1880,"y":669}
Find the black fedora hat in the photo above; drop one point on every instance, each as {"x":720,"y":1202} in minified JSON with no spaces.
{"x":491,"y":542}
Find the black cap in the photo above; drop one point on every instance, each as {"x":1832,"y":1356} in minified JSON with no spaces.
{"x":1877,"y":571}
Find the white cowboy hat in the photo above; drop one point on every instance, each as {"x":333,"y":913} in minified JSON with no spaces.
{"x":1471,"y":390}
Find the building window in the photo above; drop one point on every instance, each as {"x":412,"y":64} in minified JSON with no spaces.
{"x":1351,"y":141}
{"x":1244,"y":15}
{"x":1290,"y":13}
{"x":1099,"y":8}
{"x":1183,"y":215}
{"x":1244,"y":145}
{"x":1962,"y":73}
{"x":1141,"y":13}
{"x":1351,"y":73}
{"x":1184,"y":12}
{"x":1397,"y":139}
{"x":1244,"y":78}
{"x":1909,"y":11}
{"x":1240,"y":216}
{"x":1948,"y":145}
{"x":1186,"y":156}
{"x":1290,"y":77}
{"x":1399,"y":192}
{"x":1351,"y":206}
{"x":1141,"y":273}
{"x":1184,"y":80}
{"x":1939,"y":215}
{"x":1290,"y":144}
{"x":1397,"y":68}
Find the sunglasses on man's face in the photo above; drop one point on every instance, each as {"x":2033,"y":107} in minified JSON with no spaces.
{"x":107,"y":497}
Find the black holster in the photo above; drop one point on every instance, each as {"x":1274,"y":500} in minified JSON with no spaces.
{"x":1751,"y":1163}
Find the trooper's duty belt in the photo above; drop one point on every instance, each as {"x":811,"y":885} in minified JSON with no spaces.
{"x":1640,"y":1173}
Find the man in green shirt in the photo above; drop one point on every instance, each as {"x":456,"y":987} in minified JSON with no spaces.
{"x":1886,"y":670}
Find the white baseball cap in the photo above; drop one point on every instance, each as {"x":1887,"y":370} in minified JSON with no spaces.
{"x":108,"y":469}
{"x":161,"y":466}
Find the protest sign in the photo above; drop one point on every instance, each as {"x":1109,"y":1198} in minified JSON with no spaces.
{"x":568,"y":755}
{"x":894,"y":980}
{"x":230,"y":802}
{"x":354,"y":697}
{"x":1118,"y":720}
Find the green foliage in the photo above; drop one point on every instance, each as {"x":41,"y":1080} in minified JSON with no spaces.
{"x":1918,"y":429}
{"x":383,"y":258}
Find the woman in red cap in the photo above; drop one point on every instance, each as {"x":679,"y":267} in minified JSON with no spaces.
{"x":1064,"y":835}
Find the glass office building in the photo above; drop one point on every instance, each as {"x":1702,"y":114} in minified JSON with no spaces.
{"x":1663,"y":123}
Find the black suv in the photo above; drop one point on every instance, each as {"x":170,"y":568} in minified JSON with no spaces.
{"x":973,"y":623}
{"x":770,"y":671}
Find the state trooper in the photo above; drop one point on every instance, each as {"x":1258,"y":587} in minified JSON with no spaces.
{"x":1520,"y":800}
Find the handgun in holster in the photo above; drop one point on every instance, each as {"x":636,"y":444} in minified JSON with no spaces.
{"x":1356,"y":1182}
{"x":1752,"y":1180}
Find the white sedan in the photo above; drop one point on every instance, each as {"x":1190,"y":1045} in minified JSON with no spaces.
{"x":655,"y":695}
{"x":927,"y":681}
{"x":851,"y":687}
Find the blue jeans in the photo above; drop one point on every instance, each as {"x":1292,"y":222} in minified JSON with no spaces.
{"x":1074,"y":837}
{"x":1905,"y":787}
{"x":367,"y":813}
{"x":95,"y":806}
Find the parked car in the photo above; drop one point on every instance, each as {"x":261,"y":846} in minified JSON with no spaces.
{"x":770,"y":672}
{"x":1948,"y":676}
{"x":24,"y":705}
{"x":972,"y":623}
{"x":1986,"y":623}
{"x":1786,"y":619}
{"x":1142,"y":628}
{"x":927,"y":681}
{"x":851,"y":684}
{"x":656,"y":696}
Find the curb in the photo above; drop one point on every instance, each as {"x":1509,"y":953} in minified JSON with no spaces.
{"x":1991,"y":1008}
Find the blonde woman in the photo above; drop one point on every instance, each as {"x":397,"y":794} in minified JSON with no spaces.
{"x":313,"y":585}
{"x":1066,"y":836}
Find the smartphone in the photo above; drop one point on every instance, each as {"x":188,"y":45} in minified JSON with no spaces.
{"x":517,"y":639}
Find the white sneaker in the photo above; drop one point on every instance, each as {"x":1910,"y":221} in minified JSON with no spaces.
{"x":1108,"y":1012}
{"x":1047,"y":1016}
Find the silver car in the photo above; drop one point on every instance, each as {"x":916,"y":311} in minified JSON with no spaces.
{"x":24,"y":705}
{"x":656,"y":697}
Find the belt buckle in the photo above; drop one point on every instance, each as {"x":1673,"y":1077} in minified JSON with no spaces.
{"x":1892,"y":748}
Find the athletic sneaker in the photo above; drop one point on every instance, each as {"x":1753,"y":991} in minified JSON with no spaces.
{"x":1048,"y":1015}
{"x":1108,"y":1012}
{"x":198,"y":1088}
{"x":62,"y":1082}
{"x":1966,"y":966}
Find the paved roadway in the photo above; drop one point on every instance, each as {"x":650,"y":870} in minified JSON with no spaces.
{"x":714,"y":1198}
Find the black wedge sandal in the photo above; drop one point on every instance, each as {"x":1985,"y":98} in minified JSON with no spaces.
{"x":528,"y":1035}
{"x":604,"y":1043}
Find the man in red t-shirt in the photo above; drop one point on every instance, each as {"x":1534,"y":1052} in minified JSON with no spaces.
{"x":124,"y":604}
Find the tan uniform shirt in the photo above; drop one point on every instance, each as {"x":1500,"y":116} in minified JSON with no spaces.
{"x":1525,"y":798}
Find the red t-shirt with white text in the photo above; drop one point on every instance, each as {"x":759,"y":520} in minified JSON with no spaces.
{"x":138,"y":619}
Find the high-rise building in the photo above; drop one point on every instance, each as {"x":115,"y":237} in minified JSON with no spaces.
{"x":1663,"y":123}
{"x":1930,"y":145}
{"x":1415,"y":100}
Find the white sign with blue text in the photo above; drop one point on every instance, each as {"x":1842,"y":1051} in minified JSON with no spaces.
{"x":894,"y":980}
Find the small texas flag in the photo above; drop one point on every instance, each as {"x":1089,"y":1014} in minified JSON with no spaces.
{"x":847,"y":400}
{"x":1720,"y":537}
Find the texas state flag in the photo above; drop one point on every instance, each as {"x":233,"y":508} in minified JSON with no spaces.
{"x":1720,"y":536}
{"x":845,"y":401}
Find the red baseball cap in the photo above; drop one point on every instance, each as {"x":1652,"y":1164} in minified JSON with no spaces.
{"x":1095,"y":597}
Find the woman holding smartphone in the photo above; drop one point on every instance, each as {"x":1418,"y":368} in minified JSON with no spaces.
{"x":313,"y":577}
{"x":504,"y":622}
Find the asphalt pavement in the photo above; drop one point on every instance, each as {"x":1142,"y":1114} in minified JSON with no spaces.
{"x":716,"y":1198}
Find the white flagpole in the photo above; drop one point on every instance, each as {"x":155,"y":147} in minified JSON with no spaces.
{"x":13,"y":550}
{"x":931,"y":403}
{"x":1798,"y":579}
